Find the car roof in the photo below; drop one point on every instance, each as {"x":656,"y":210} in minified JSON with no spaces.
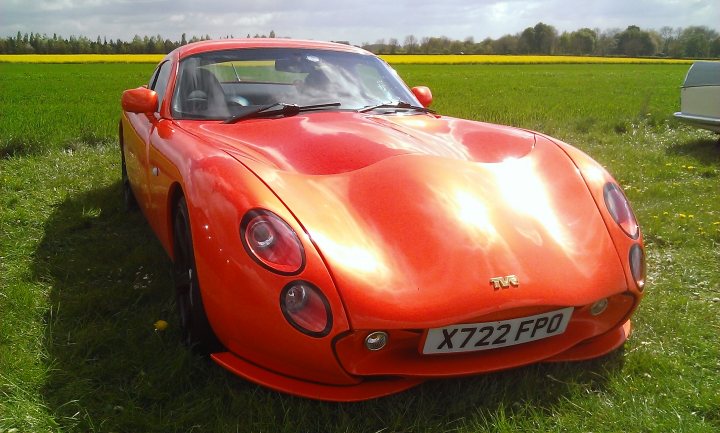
{"x":230,"y":44}
{"x":703,"y":74}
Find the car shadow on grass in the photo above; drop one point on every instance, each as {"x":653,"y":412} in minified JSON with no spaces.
{"x":705,"y":150}
{"x":110,"y":280}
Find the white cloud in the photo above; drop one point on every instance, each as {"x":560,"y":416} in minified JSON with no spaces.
{"x":342,"y":19}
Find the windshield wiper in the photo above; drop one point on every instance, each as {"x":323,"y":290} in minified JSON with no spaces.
{"x":398,"y":104}
{"x":277,"y":109}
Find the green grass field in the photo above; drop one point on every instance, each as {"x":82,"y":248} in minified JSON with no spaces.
{"x":81,"y":282}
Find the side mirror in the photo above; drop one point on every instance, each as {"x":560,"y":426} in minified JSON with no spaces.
{"x":423,"y":94}
{"x":140,"y":100}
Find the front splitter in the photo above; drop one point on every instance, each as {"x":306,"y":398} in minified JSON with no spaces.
{"x":365,"y":390}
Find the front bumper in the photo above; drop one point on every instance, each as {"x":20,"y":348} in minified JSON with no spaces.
{"x":400,"y":365}
{"x":402,"y":354}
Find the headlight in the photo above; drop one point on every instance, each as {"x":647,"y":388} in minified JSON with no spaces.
{"x":306,"y":308}
{"x":620,"y":211}
{"x":271,"y":242}
{"x":637,"y":265}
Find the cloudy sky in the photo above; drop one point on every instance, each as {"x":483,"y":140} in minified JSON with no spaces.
{"x":354,"y":21}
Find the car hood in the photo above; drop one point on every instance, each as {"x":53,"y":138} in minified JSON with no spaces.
{"x":338,"y":142}
{"x":426,"y":211}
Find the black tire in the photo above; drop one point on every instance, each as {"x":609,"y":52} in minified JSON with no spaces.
{"x":196,"y":331}
{"x":129,"y":201}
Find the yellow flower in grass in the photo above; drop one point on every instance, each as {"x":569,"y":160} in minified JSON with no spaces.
{"x":160,"y":325}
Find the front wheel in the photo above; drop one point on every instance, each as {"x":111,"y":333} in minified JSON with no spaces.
{"x":196,"y":330}
{"x":129,"y":201}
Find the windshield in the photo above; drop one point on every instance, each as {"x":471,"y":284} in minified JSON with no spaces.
{"x":223,"y":84}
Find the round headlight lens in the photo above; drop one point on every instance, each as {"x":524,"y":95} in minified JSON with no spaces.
{"x":271,"y":242}
{"x":620,"y":211}
{"x":261,"y":233}
{"x":306,"y":308}
{"x":637,"y":265}
{"x":296,"y":298}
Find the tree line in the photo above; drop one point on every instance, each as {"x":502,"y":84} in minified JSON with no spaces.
{"x":544,"y":39}
{"x":541,"y":39}
{"x":35,"y":43}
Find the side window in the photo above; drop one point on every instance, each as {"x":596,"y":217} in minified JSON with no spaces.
{"x":153,"y":77}
{"x":159,"y":81}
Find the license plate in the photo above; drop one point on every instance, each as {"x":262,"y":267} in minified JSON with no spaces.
{"x":472,"y":337}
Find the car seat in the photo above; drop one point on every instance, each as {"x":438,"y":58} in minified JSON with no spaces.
{"x":201,"y":95}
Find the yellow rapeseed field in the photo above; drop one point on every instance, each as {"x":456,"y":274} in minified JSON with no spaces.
{"x":446,"y":59}
{"x":455,"y":59}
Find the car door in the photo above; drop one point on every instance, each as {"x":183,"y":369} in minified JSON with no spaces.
{"x":137,"y":139}
{"x":158,"y":130}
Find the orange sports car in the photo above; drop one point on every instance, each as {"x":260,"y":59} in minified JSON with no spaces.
{"x":334,"y":238}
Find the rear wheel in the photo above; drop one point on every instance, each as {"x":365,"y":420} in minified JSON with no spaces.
{"x":196,"y":330}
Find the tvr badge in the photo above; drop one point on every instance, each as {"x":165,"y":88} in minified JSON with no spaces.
{"x":504,"y":282}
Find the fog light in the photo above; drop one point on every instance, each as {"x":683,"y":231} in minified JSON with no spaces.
{"x":376,"y":340}
{"x":598,"y":307}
